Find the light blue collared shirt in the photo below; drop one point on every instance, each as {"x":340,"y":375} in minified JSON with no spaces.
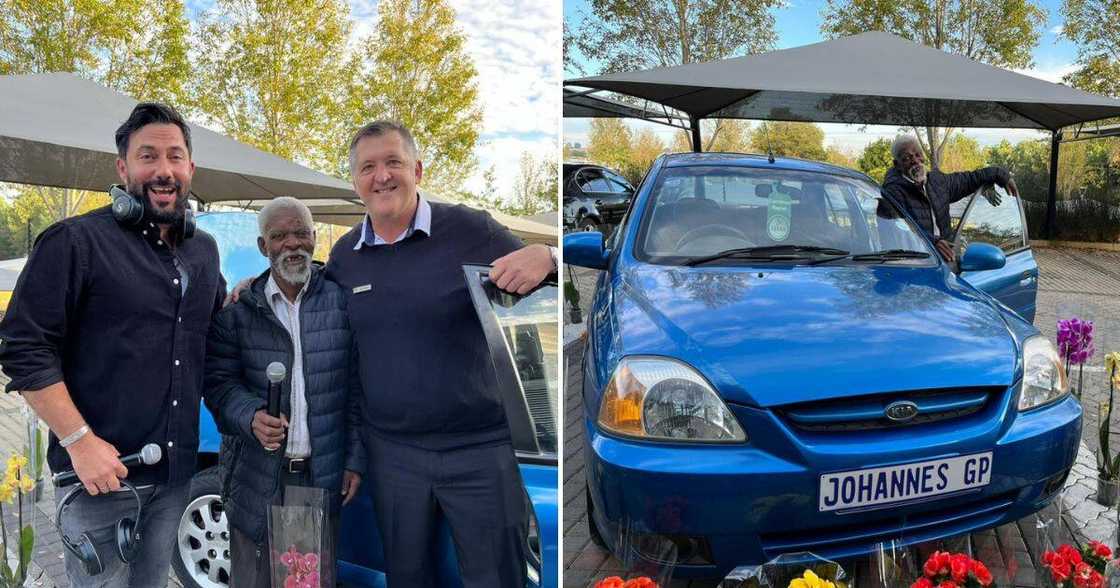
{"x":421,"y":221}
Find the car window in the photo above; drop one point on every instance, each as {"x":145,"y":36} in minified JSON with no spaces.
{"x":591,"y":180}
{"x":1001,"y":225}
{"x":523,"y":336}
{"x":703,"y":210}
{"x":618,"y":183}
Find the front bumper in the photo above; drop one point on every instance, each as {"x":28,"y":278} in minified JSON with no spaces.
{"x":741,"y":504}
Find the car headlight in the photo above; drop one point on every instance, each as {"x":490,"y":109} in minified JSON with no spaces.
{"x":664,"y":399}
{"x":1044,"y":378}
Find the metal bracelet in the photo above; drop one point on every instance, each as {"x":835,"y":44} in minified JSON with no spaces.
{"x":72,"y":438}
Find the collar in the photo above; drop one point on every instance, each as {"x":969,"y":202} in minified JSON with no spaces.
{"x":421,"y":221}
{"x":272,"y":289}
{"x":150,"y":233}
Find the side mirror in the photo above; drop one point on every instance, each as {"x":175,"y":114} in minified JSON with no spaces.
{"x":585,"y":250}
{"x":980,"y":257}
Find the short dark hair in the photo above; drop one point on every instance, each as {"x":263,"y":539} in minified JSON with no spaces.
{"x":378,"y":128}
{"x":147,"y":113}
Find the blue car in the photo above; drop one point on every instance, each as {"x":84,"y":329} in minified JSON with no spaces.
{"x":777,"y":362}
{"x":523,"y":336}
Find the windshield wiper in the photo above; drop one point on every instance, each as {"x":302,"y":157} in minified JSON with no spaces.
{"x":887,"y":255}
{"x":768,"y":253}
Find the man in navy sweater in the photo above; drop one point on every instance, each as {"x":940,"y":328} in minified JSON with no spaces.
{"x":437,"y":440}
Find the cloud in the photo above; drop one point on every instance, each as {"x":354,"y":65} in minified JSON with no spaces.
{"x":1057,"y":30}
{"x":1052,"y":73}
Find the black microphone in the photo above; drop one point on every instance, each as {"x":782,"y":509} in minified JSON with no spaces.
{"x":150,"y":454}
{"x":275,"y":372}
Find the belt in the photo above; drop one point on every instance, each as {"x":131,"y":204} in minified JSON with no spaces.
{"x":296,"y":465}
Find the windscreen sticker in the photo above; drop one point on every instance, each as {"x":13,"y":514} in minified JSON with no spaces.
{"x":777,"y":216}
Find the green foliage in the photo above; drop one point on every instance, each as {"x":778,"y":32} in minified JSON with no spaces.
{"x":876,"y":159}
{"x":1094,"y":26}
{"x":133,"y":46}
{"x":961,"y":153}
{"x":415,"y":69}
{"x":536,"y":188}
{"x":720,"y":134}
{"x":789,"y":139}
{"x":608,"y":142}
{"x":641,"y":34}
{"x":272,"y":74}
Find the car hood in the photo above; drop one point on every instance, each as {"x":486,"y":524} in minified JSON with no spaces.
{"x":783,"y":335}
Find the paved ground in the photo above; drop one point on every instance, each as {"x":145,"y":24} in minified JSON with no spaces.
{"x":1082,"y":283}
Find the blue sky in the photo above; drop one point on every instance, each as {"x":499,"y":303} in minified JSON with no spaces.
{"x":798,"y":23}
{"x":516,"y":48}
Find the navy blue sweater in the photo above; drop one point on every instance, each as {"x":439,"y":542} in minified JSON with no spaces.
{"x":425,"y":365}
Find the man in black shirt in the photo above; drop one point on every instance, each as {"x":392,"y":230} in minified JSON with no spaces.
{"x":105,"y":338}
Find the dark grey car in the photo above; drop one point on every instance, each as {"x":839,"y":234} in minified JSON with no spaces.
{"x":594,"y":197}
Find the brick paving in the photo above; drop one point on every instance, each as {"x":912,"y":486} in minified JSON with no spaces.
{"x":1084,"y":283}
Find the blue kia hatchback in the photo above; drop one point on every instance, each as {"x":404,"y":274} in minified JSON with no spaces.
{"x":778,"y":362}
{"x":524,"y":344}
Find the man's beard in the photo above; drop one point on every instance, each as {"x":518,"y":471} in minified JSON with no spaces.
{"x":917,"y":173}
{"x":156,"y":215}
{"x":291,"y":275}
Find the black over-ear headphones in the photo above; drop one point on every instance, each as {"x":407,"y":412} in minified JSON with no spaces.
{"x":128,"y":210}
{"x":124,"y":534}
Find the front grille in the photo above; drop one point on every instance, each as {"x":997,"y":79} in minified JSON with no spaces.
{"x":870,"y":412}
{"x":852,"y":538}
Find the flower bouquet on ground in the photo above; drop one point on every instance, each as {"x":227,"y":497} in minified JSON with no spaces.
{"x":893,"y":565}
{"x":953,"y":570}
{"x":18,"y":481}
{"x":1070,"y":567}
{"x":1075,"y":346}
{"x":647,"y":558}
{"x":301,"y":553}
{"x":791,"y":570}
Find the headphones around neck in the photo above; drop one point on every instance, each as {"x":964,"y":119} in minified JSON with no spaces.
{"x":129,"y":211}
{"x":124,"y":534}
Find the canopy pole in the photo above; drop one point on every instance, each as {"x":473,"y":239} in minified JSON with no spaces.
{"x":695,"y":124}
{"x":1050,"y":225}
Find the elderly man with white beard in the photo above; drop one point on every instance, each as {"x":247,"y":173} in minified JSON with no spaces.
{"x":293,"y":315}
{"x":926,"y":195}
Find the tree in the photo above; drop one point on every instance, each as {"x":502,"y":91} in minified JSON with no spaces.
{"x":535,"y":187}
{"x":837,"y":156}
{"x":645,"y":148}
{"x":608,"y":143}
{"x":272,"y":74}
{"x":789,"y":139}
{"x":642,"y":34}
{"x":962,"y":154}
{"x":132,"y":46}
{"x":1094,"y":25}
{"x":876,"y":159}
{"x":723,"y":134}
{"x":416,"y":70}
{"x":998,"y":32}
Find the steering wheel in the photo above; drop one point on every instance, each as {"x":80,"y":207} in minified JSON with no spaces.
{"x":710,"y":230}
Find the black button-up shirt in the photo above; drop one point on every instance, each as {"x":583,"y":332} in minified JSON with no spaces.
{"x":102,"y":307}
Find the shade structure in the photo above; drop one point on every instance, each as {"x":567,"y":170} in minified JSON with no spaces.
{"x":56,"y":129}
{"x":871,"y":78}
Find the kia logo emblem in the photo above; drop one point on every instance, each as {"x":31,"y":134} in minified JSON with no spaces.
{"x":902,"y":411}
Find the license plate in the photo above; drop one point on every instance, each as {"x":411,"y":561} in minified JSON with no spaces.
{"x":901,"y":483}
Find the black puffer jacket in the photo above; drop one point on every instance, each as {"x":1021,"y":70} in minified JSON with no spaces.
{"x":246,"y":337}
{"x":942,"y":190}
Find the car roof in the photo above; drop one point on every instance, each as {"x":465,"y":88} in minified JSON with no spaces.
{"x":761,"y":161}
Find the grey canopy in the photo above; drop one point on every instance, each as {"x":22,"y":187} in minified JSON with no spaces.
{"x":56,"y":129}
{"x":872,"y":78}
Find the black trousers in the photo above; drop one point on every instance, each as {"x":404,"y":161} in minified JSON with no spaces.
{"x":250,"y":562}
{"x":477,"y":490}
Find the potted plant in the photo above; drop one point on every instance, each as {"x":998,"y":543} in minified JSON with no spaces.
{"x":571,"y":296}
{"x":17,"y":543}
{"x":1075,"y":346}
{"x":1108,"y":465}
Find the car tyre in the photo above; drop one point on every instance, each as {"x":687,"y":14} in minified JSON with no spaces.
{"x":592,"y":528}
{"x":201,"y":558}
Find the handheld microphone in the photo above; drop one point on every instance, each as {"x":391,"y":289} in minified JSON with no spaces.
{"x":276,"y":373}
{"x":150,"y":454}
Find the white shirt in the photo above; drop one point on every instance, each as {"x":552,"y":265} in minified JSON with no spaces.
{"x":299,"y":438}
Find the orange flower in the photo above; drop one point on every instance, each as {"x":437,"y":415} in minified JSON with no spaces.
{"x":642,"y":582}
{"x":611,"y":582}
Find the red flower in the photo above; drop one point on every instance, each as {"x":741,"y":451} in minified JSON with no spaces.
{"x":958,"y":567}
{"x":1070,"y":554}
{"x":947,"y":584}
{"x":937,"y":564}
{"x":980,"y":571}
{"x":1100,"y":549}
{"x":922,"y":582}
{"x":611,"y":582}
{"x":642,"y":582}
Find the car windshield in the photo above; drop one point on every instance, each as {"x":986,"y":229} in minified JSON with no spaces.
{"x":701,"y":213}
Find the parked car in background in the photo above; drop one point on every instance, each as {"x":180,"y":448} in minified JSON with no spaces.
{"x":522,"y":333}
{"x":594,"y":197}
{"x":778,"y":362}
